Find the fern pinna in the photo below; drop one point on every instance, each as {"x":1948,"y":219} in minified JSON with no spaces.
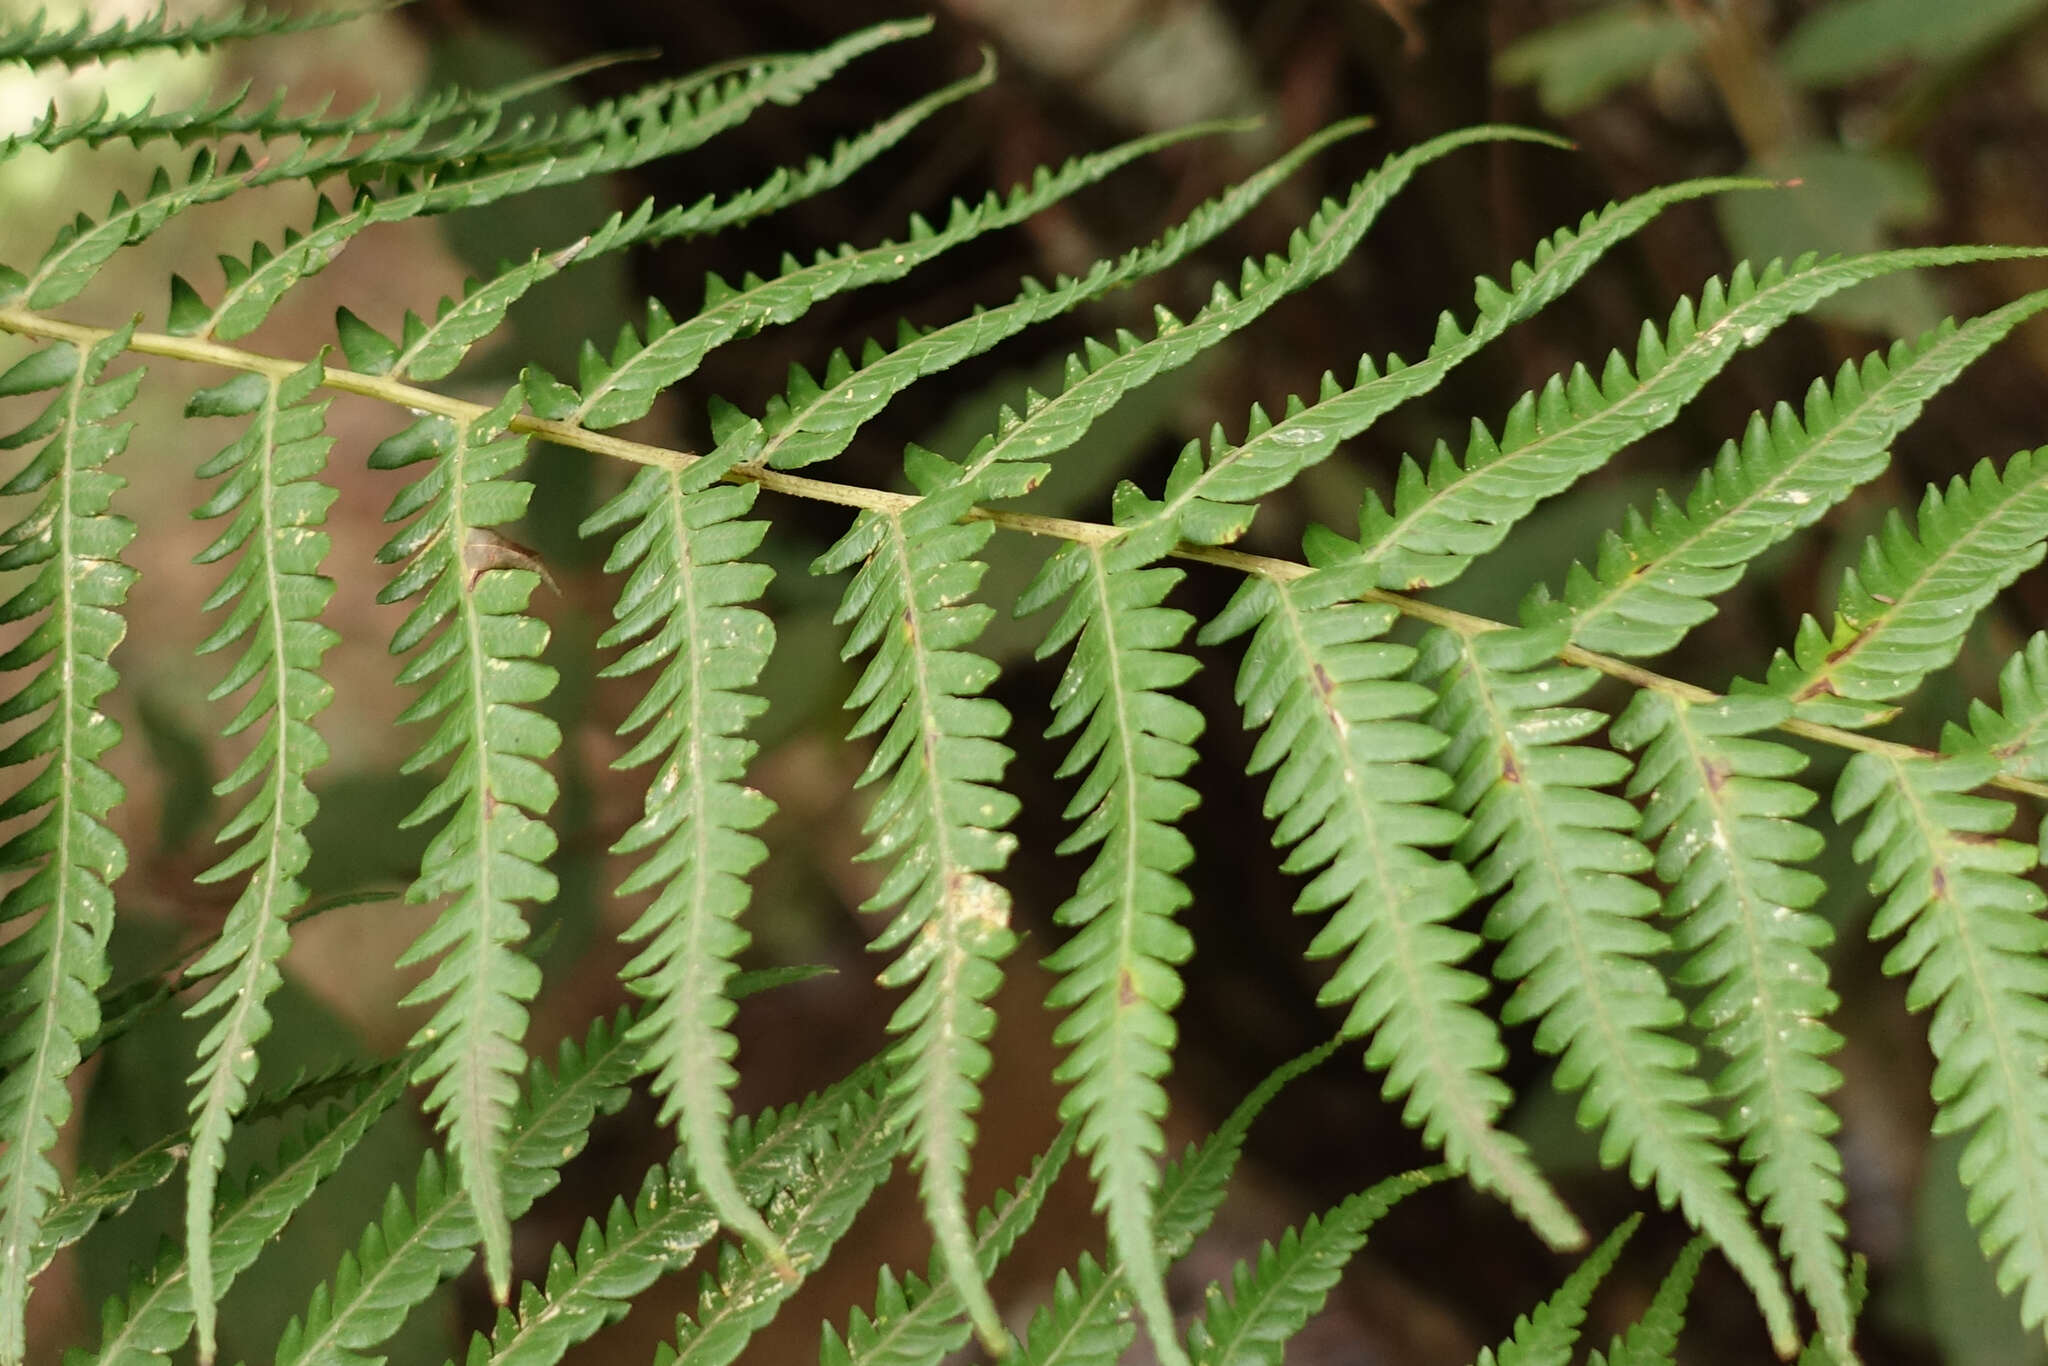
{"x":1637,"y":859}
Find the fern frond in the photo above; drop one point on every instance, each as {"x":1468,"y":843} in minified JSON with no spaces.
{"x":1651,"y":582}
{"x":655,"y":1233}
{"x":216,"y":117}
{"x":1976,"y":947}
{"x":1271,"y":1299}
{"x":846,"y":1161}
{"x":1204,"y":498}
{"x":624,"y":388}
{"x":1353,"y":794}
{"x":1546,"y":1336}
{"x":1817,"y":1352}
{"x":662,"y":119}
{"x":1904,"y":608}
{"x":478,"y":659}
{"x":1652,"y":1340}
{"x":1574,"y":923}
{"x":33,"y":45}
{"x":72,"y":544}
{"x":1444,"y":518}
{"x":940,"y":819}
{"x":1722,"y":803}
{"x":814,"y":421}
{"x":412,"y":1246}
{"x":428,"y":352}
{"x":156,"y":1317}
{"x":275,"y":592}
{"x":1117,"y":980}
{"x":1087,"y":1318}
{"x":1010,"y":462}
{"x":915,"y":1323}
{"x":685,"y":609}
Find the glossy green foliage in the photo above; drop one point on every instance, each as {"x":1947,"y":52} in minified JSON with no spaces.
{"x":685,"y":608}
{"x":476,"y":654}
{"x":1546,"y":1335}
{"x":1974,"y":948}
{"x":35,"y":42}
{"x":70,"y":544}
{"x":273,"y":502}
{"x":1271,"y":1299}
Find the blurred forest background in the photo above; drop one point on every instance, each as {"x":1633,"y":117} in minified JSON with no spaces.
{"x":1904,"y":121}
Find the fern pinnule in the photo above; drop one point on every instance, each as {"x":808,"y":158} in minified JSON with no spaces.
{"x":1445,"y":517}
{"x":1651,"y":581}
{"x":1546,"y":1335}
{"x":1973,"y":940}
{"x":1118,"y":982}
{"x":626,"y":388}
{"x":1906,"y":605}
{"x":813,"y":421}
{"x":918,"y":1322}
{"x":940,"y":819}
{"x":72,"y":544}
{"x":1723,"y":806}
{"x":154,"y":1319}
{"x":1652,"y":1340}
{"x":1087,"y":1319}
{"x":274,"y":500}
{"x":846,"y":1158}
{"x":1354,"y":796}
{"x":685,"y":608}
{"x":413,"y":1244}
{"x":1273,"y":1296}
{"x":1574,"y":926}
{"x":478,"y":657}
{"x":32,"y":44}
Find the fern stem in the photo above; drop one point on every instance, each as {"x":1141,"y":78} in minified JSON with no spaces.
{"x":26,"y":323}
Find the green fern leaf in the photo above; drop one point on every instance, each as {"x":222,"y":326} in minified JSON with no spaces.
{"x":627,"y":387}
{"x":33,"y":45}
{"x":1723,"y":804}
{"x":1651,"y":582}
{"x":658,"y":1232}
{"x":1011,"y":461}
{"x":72,"y":544}
{"x":813,"y":421}
{"x":478,"y":657}
{"x":273,"y":495}
{"x":1087,"y":1319}
{"x":1286,"y":1285}
{"x":1203,"y":500}
{"x":1906,"y":605}
{"x":844,"y":1166}
{"x":1977,"y":951}
{"x":685,"y":608}
{"x":1353,"y":795}
{"x":915,"y":1323}
{"x":1117,"y":980}
{"x":156,"y":1317}
{"x":1817,"y":1352}
{"x":1652,"y":1340}
{"x":940,"y":819}
{"x":1546,"y":1336}
{"x":1443,"y":519}
{"x":1574,"y":926}
{"x":412,"y":1246}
